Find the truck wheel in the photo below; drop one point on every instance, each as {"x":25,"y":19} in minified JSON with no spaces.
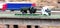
{"x":12,"y":10}
{"x":49,"y":14}
{"x":34,"y":11}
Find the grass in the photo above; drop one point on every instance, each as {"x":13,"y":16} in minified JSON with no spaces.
{"x":29,"y":16}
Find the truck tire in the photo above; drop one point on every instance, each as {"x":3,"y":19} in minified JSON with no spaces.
{"x":23,"y":11}
{"x":12,"y":10}
{"x":32,"y":10}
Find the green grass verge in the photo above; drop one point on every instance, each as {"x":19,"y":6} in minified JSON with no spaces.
{"x":29,"y":16}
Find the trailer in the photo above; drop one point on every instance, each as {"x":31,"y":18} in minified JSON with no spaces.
{"x":17,"y":5}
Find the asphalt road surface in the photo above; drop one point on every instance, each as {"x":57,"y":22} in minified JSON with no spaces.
{"x":9,"y":14}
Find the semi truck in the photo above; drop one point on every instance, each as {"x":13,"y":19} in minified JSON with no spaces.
{"x":18,"y":6}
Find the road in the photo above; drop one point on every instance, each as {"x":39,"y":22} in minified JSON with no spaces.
{"x":9,"y":14}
